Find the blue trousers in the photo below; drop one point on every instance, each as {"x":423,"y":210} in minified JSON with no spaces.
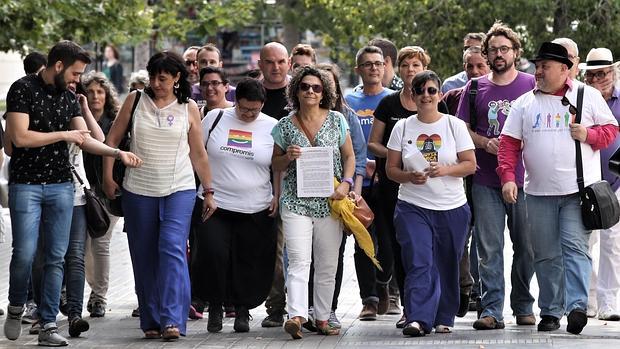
{"x":157,"y":231}
{"x":431,"y":247}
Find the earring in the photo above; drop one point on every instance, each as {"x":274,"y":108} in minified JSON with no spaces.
{"x":176,"y":84}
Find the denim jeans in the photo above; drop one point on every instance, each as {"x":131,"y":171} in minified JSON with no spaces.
{"x":560,"y":244}
{"x":491,"y":212}
{"x":28,"y":202}
{"x":74,"y":262}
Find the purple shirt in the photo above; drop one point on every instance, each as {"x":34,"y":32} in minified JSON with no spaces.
{"x":492,"y":107}
{"x":606,"y":153}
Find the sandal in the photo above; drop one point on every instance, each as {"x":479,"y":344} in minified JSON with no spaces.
{"x":323,"y":327}
{"x":152,"y":334}
{"x":293,"y":327}
{"x":442,"y":329}
{"x":413,"y":329}
{"x":171,"y":333}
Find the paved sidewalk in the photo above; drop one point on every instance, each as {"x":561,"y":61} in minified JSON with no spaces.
{"x":119,"y":330}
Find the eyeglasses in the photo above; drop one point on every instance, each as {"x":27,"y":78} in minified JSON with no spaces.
{"x":214,"y":83}
{"x":248,"y":110}
{"x":502,"y":49}
{"x":430,"y":90}
{"x":369,"y":65}
{"x":316,"y":88}
{"x":599,"y":74}
{"x":571,"y":108}
{"x":190,"y":62}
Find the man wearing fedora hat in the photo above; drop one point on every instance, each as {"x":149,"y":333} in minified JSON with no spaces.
{"x":602,"y":73}
{"x":540,"y":128}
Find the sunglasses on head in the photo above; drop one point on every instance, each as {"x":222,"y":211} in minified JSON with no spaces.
{"x":430,"y":90}
{"x":571,"y":108}
{"x":316,"y":88}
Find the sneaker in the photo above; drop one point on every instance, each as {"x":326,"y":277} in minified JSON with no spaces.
{"x":242,"y":319}
{"x":35,"y":328}
{"x":96,"y":309}
{"x":394,"y":306}
{"x":275,"y":319}
{"x":309,"y":324}
{"x":12,"y":324}
{"x":384,"y":299}
{"x":591,"y":312}
{"x":463,"y":305}
{"x":333,"y":320}
{"x":413,"y":329}
{"x":50,"y":338}
{"x":193,"y":313}
{"x":526,"y":320}
{"x":609,"y":315}
{"x":77,"y":325}
{"x":369,"y":312}
{"x":488,"y":323}
{"x":548,"y":323}
{"x":214,"y":323}
{"x":30,"y":315}
{"x":577,"y":320}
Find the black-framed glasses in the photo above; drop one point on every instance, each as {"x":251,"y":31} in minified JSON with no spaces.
{"x":503,"y":49}
{"x":190,"y":62}
{"x":249,"y":110}
{"x":601,"y":74}
{"x":571,"y":108}
{"x":369,"y":65}
{"x":316,"y":88}
{"x":430,"y":90}
{"x":214,"y":83}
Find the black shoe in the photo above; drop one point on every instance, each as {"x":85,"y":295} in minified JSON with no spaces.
{"x":478,"y":307}
{"x":463,"y":305}
{"x":77,"y":325}
{"x":63,"y":306}
{"x":214,"y":324}
{"x":275,"y":319}
{"x":96,"y":309}
{"x":548,"y":323}
{"x":402,"y":322}
{"x":577,"y":320}
{"x":242,"y":319}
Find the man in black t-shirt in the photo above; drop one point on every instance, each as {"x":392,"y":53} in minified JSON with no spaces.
{"x":43,"y":115}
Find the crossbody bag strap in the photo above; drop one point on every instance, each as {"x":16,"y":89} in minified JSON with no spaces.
{"x":305,"y":130}
{"x":133,"y":109}
{"x":77,"y":176}
{"x":215,"y":122}
{"x":473,"y":92}
{"x":579,"y":163}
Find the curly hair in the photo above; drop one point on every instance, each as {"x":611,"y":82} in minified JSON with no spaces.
{"x":171,"y":63}
{"x":112,"y":104}
{"x":500,"y":29}
{"x":329,"y":96}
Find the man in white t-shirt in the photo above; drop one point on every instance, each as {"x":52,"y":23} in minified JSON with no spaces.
{"x":541,"y":127}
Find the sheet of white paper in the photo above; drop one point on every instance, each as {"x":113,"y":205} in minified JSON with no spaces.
{"x":315,"y":172}
{"x":415,"y":161}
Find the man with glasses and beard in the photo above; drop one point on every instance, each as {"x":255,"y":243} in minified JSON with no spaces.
{"x":495,"y":95}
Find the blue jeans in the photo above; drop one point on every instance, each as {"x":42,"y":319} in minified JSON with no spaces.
{"x":491,"y":212}
{"x":27,"y":202}
{"x":560,"y":243}
{"x":74,"y":262}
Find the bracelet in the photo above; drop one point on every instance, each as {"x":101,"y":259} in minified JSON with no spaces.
{"x":208,"y":191}
{"x":348,"y":180}
{"x":117,"y":154}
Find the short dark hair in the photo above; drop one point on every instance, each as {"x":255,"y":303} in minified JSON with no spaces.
{"x":364,"y":50}
{"x":387,"y":47}
{"x":171,"y":63}
{"x":304,"y":50}
{"x":214,"y":70}
{"x":254,"y":73}
{"x":293,"y":87}
{"x":67,"y":52}
{"x":211,"y":48}
{"x":34,"y":61}
{"x":420,"y":79}
{"x":251,"y":89}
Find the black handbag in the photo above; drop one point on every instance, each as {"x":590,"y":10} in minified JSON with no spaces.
{"x":599,"y":204}
{"x":97,"y":217}
{"x":118,"y":171}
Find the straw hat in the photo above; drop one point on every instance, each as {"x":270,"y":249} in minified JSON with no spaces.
{"x":598,"y":58}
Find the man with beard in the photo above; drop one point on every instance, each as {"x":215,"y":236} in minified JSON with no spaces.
{"x":43,"y":115}
{"x":191,"y":63}
{"x":559,"y":239}
{"x":460,"y":79}
{"x":495,"y":95}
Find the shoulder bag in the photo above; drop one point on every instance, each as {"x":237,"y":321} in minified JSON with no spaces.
{"x":97,"y":217}
{"x":599,"y":204}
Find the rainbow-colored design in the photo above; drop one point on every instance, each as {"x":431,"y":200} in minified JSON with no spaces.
{"x":239,"y":139}
{"x":423,"y":137}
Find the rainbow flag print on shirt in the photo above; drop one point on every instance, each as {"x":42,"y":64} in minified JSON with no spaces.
{"x":239,"y":139}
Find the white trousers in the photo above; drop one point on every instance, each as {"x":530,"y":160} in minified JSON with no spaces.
{"x":303,"y":236}
{"x":605,"y":279}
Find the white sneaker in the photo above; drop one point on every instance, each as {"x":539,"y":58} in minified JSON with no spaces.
{"x":30,"y":315}
{"x":608,"y":314}
{"x":49,"y":337}
{"x":591,"y":312}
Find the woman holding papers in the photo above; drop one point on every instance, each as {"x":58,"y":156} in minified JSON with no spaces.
{"x":429,"y":154}
{"x":307,"y":224}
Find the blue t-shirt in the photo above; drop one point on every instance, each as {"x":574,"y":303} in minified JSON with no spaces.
{"x":364,"y":106}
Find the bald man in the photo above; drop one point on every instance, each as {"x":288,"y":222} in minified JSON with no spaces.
{"x":274,"y":64}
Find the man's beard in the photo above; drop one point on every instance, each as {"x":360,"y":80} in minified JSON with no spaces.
{"x":507,"y":66}
{"x":60,"y":83}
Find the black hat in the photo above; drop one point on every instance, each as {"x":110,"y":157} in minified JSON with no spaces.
{"x":556,"y":52}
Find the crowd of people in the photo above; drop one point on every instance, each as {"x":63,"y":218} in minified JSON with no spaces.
{"x":218,"y":220}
